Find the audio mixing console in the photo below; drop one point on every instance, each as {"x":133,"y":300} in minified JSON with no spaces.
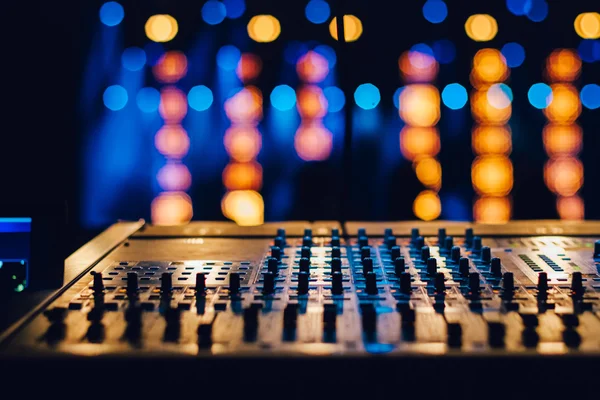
{"x":527,"y":291}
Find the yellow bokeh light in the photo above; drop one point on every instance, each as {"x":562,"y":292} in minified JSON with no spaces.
{"x":353,"y":28}
{"x":312,"y":67}
{"x":565,"y":107}
{"x":481,"y":27}
{"x":171,"y":208}
{"x":173,"y":105}
{"x":420,"y":105}
{"x":427,"y":206}
{"x":429,"y":172}
{"x":563,"y":140}
{"x":313,"y":142}
{"x":485,"y":113}
{"x":587,"y":25}
{"x":311,"y":102}
{"x":264,"y":28}
{"x":243,"y":176}
{"x":492,"y":175}
{"x":570,"y":208}
{"x":489,"y":66}
{"x":492,"y":210}
{"x":243,"y":143}
{"x":245,"y":207}
{"x":172,"y":141}
{"x":161,"y":28}
{"x":418,"y":142}
{"x":491,"y":139}
{"x":564,"y":175}
{"x":418,"y":67}
{"x":171,"y":67}
{"x":563,"y":65}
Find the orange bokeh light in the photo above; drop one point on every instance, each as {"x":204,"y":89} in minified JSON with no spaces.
{"x":418,"y":67}
{"x":485,"y":113}
{"x":171,"y":67}
{"x":245,"y":207}
{"x":174,"y":177}
{"x":570,"y":208}
{"x":429,"y":172}
{"x":172,"y":141}
{"x":172,"y":208}
{"x":564,"y":175}
{"x":420,"y":105}
{"x":563,"y":140}
{"x":565,"y":107}
{"x":243,"y":143}
{"x":249,"y":67}
{"x":418,"y":142}
{"x":312,"y":67}
{"x":313,"y":142}
{"x":492,"y":210}
{"x":489,"y":66}
{"x":173,"y":105}
{"x":563,"y":65}
{"x":427,"y":205}
{"x":311,"y":102}
{"x":245,"y":106}
{"x":492,"y":175}
{"x":491,"y":139}
{"x":243,"y":176}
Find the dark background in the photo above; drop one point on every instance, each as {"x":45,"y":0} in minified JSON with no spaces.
{"x":45,"y":45}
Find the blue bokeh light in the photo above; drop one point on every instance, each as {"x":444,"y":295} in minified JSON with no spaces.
{"x":444,"y":51}
{"x":154,"y":51}
{"x":115,"y":97}
{"x":200,"y":98}
{"x":367,"y":96}
{"x":396,"y":97}
{"x":590,"y":96}
{"x":589,"y":50}
{"x":283,"y":98}
{"x":228,"y":57}
{"x":213,"y":12}
{"x":328,"y":53}
{"x":335,"y":98}
{"x":435,"y":11}
{"x":514,"y":54}
{"x":234,"y":8}
{"x":148,"y":99}
{"x":517,"y":7}
{"x":111,"y":13}
{"x":540,"y":95}
{"x":133,"y":59}
{"x":317,"y":11}
{"x":455,"y":96}
{"x":537,"y":10}
{"x":423,"y":49}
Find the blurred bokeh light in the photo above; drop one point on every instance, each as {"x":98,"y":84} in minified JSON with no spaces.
{"x":587,"y":25}
{"x":481,"y":27}
{"x":563,"y":65}
{"x":172,"y":141}
{"x":367,"y":96}
{"x":243,"y":143}
{"x":111,"y":13}
{"x":435,"y":11}
{"x":492,"y":139}
{"x":313,"y":142}
{"x":492,"y":210}
{"x":174,"y":176}
{"x":492,"y":175}
{"x":245,"y":207}
{"x":317,"y":11}
{"x":416,"y":142}
{"x":171,"y":67}
{"x":565,"y":106}
{"x":161,"y":28}
{"x":420,"y":105}
{"x":311,"y":102}
{"x":427,"y":206}
{"x":173,"y":105}
{"x":563,"y":140}
{"x":312,"y":67}
{"x":171,"y":208}
{"x":564,"y":175}
{"x":264,"y":28}
{"x":243,"y":176}
{"x":353,"y":28}
{"x":115,"y":97}
{"x":570,"y":208}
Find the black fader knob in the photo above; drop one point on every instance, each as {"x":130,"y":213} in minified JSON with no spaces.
{"x":387,"y":232}
{"x":276,"y":253}
{"x":335,"y":241}
{"x":336,"y":283}
{"x":98,"y":285}
{"x":290,"y":316}
{"x":395,"y":252}
{"x":369,"y":318}
{"x":441,"y":236}
{"x":336,"y":265}
{"x":335,"y":232}
{"x":367,"y":266}
{"x":399,"y":265}
{"x":390,"y":242}
{"x":476,"y":244}
{"x":132,"y":284}
{"x":496,"y":334}
{"x":303,"y":279}
{"x":234,"y":283}
{"x":469,"y":237}
{"x":329,"y":317}
{"x":414,"y":235}
{"x":200,"y":283}
{"x":576,"y":282}
{"x":273,"y":265}
{"x":336,"y":252}
{"x":454,"y":334}
{"x":448,"y":243}
{"x":305,"y":252}
{"x":371,"y":283}
{"x":597,"y":249}
{"x":304,"y":264}
{"x":269,"y":283}
{"x":496,"y":267}
{"x":365,"y":252}
{"x":307,"y":241}
{"x":363,"y":241}
{"x":308,"y":232}
{"x":464,"y":266}
{"x":440,"y":284}
{"x":542,"y":285}
{"x":455,"y":254}
{"x":474,"y":282}
{"x":486,"y":255}
{"x":278,"y":242}
{"x":405,"y":283}
{"x":281,"y":234}
{"x":431,"y":266}
{"x":420,"y":242}
{"x":166,"y":283}
{"x":425,"y":254}
{"x":205,"y":336}
{"x":508,"y":282}
{"x":362,"y":232}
